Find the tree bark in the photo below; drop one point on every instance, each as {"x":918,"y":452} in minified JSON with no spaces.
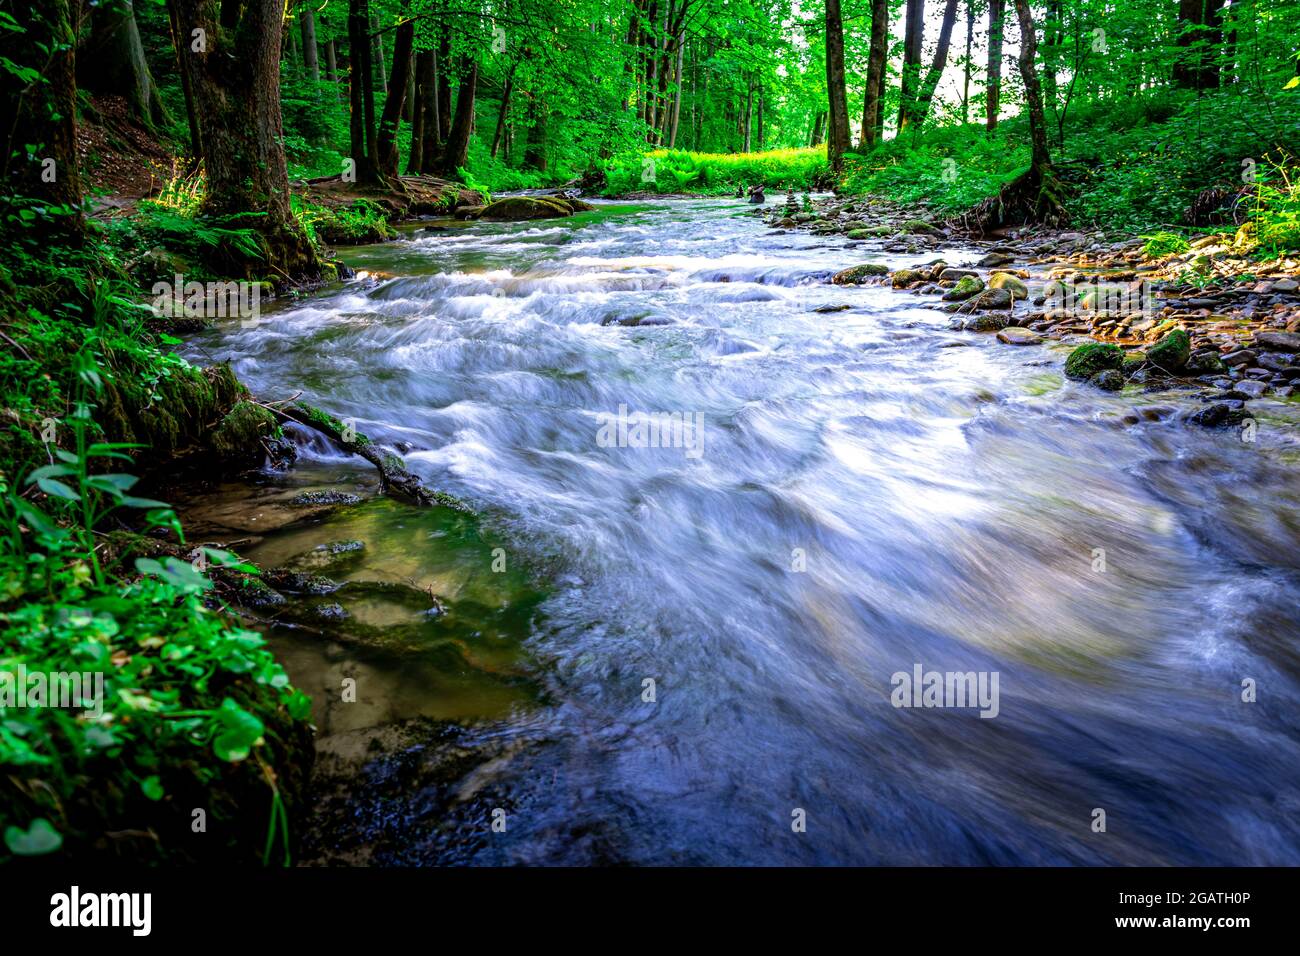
{"x":429,"y":149}
{"x":397,"y":87}
{"x":456,"y":153}
{"x":112,"y":61}
{"x":965,"y":83}
{"x":236,"y":82}
{"x":1201,"y":33}
{"x":310,"y":56}
{"x":925,"y":93}
{"x":838,"y":142}
{"x":535,"y":148}
{"x":913,"y":40}
{"x":378,"y":56}
{"x":504,"y":112}
{"x":415,"y":159}
{"x":180,"y":45}
{"x":997,"y":16}
{"x":43,"y":113}
{"x":360,"y":95}
{"x":871,"y":100}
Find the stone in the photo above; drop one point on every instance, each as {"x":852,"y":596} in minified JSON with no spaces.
{"x":1019,"y":336}
{"x":856,"y":275}
{"x":1112,"y":380}
{"x":1250,"y":389}
{"x":966,"y":287}
{"x":995,"y":259}
{"x":993,"y":299}
{"x":1013,"y":284}
{"x":988,"y":322}
{"x":1280,"y":341}
{"x":905,"y":277}
{"x":1217,"y":414}
{"x":1172,"y":351}
{"x":1093,"y":357}
{"x":1239,"y":357}
{"x":1286,"y":285}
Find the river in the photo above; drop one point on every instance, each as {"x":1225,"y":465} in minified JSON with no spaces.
{"x":866,"y":492}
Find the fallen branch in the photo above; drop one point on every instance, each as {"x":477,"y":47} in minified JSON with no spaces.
{"x":393,"y":476}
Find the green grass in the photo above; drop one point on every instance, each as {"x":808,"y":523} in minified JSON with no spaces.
{"x":714,"y":174}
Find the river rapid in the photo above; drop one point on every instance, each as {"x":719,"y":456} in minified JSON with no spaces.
{"x":701,"y":666}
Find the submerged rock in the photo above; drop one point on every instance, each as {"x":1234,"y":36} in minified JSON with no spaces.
{"x":1018,"y":336}
{"x":1110,"y":379}
{"x":966,"y":287}
{"x":519,"y":208}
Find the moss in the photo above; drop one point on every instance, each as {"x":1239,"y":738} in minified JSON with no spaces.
{"x":1089,"y":359}
{"x":1172,"y":351}
{"x":856,"y":274}
{"x":239,"y":436}
{"x":329,"y":423}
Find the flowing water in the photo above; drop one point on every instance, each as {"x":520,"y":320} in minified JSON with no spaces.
{"x":871,"y":493}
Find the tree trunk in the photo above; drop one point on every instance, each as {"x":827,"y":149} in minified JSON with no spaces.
{"x":871,"y":101}
{"x":397,"y":86}
{"x":913,"y":40}
{"x":442,"y":110}
{"x":747,"y":119}
{"x":43,"y":113}
{"x":838,"y":143}
{"x":677,"y":95}
{"x":360,"y":96}
{"x":332,"y":68}
{"x":535,"y":148}
{"x":112,"y":61}
{"x":456,"y":153}
{"x":378,"y":55}
{"x":419,"y":110}
{"x":997,"y":17}
{"x":429,"y":149}
{"x":181,"y":45}
{"x":310,"y":57}
{"x":925,"y":92}
{"x":965,"y":82}
{"x":1201,"y":33}
{"x":815,"y":137}
{"x":504,"y":112}
{"x":236,"y":83}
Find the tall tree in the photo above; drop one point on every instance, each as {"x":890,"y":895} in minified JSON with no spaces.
{"x":837,"y":143}
{"x":1200,"y":33}
{"x":872,"y":107}
{"x":925,"y":93}
{"x":397,"y":88}
{"x":456,"y":153}
{"x":233,"y":63}
{"x":992,"y":97}
{"x":913,"y":40}
{"x":310,"y":55}
{"x":112,"y":60}
{"x":38,"y":111}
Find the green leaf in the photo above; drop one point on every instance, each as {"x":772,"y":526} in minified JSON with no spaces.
{"x":57,"y":489}
{"x":51,"y":471}
{"x":38,"y":839}
{"x":1292,"y":83}
{"x":152,"y":788}
{"x":240,"y":730}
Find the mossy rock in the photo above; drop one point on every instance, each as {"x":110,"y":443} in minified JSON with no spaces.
{"x":902,"y":278}
{"x":1109,"y":379}
{"x":1013,"y":284}
{"x":238,"y":439}
{"x":1093,"y":357}
{"x":988,"y":322}
{"x":920,"y":225}
{"x":521,"y":208}
{"x":1172,"y":351}
{"x":966,"y":287}
{"x":856,"y":275}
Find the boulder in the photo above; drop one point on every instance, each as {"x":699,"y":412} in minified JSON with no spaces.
{"x":1279,"y":341}
{"x":902,"y":278}
{"x":856,"y":275}
{"x":1172,"y":351}
{"x":1013,"y":284}
{"x":520,"y":208}
{"x":993,"y":299}
{"x":1109,"y":379}
{"x":966,"y":287}
{"x":1015,"y":335}
{"x":1093,"y":357}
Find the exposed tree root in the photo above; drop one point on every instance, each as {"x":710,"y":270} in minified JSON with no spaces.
{"x":1036,"y":196}
{"x":393,"y":476}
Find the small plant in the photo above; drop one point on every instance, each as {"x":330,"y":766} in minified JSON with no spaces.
{"x":1161,"y":244}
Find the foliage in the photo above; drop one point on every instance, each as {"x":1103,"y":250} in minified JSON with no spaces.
{"x":679,"y":171}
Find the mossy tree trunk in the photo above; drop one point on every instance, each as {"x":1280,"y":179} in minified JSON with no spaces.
{"x":40,"y":112}
{"x":112,"y":61}
{"x":233,"y":64}
{"x":879,"y":49}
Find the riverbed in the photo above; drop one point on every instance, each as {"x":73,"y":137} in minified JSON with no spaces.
{"x":685,"y":654}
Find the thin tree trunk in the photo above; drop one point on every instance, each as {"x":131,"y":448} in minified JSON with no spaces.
{"x":994,"y":88}
{"x":332,"y":67}
{"x":1041,"y":163}
{"x":925,"y":93}
{"x":965,"y":82}
{"x":180,"y":44}
{"x":397,"y":87}
{"x":419,"y":111}
{"x":310,"y":57}
{"x":428,"y":69}
{"x":112,"y":61}
{"x":913,"y":40}
{"x":504,"y":112}
{"x":378,"y":56}
{"x":677,"y":95}
{"x":456,"y":154}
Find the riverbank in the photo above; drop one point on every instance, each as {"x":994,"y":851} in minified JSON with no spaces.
{"x":1206,"y":313}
